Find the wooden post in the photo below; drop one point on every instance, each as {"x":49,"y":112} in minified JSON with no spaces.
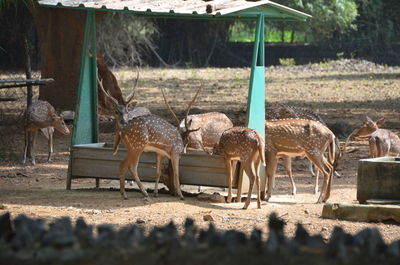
{"x":256,"y":97}
{"x":86,"y":122}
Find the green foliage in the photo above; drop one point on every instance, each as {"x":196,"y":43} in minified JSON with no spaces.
{"x":378,"y":24}
{"x":329,"y":17}
{"x":287,"y":61}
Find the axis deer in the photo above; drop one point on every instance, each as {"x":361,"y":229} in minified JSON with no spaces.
{"x":147,"y":133}
{"x":296,"y":137}
{"x":247,"y":146}
{"x":211,"y":124}
{"x":280,"y":112}
{"x":382,"y":142}
{"x":41,"y":115}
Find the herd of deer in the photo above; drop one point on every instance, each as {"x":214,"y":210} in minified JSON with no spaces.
{"x":290,"y":132}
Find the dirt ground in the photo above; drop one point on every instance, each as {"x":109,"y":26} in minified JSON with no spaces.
{"x":340,"y":91}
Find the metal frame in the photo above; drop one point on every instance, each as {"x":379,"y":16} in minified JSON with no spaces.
{"x":85,"y":129}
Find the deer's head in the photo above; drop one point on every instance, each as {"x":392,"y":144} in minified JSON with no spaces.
{"x":120,"y":112}
{"x":368,"y":127}
{"x":59,"y":124}
{"x":186,"y":130}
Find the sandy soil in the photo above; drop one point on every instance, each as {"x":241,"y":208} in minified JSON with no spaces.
{"x":336,"y":92}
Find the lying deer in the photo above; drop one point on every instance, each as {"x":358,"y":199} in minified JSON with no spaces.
{"x":147,"y":133}
{"x":247,"y":146}
{"x":382,"y":142}
{"x":41,"y":115}
{"x":296,"y":137}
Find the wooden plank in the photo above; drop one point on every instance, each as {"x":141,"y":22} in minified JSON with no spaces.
{"x":107,"y":154}
{"x":96,"y":160}
{"x":93,"y":168}
{"x":383,"y":201}
{"x":361,"y":212}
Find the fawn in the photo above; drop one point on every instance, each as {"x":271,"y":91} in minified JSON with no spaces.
{"x":41,"y":115}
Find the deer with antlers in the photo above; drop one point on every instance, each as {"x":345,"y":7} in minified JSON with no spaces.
{"x":296,"y":137}
{"x":147,"y":133}
{"x":211,"y":126}
{"x":41,"y":115}
{"x":382,"y":142}
{"x":247,"y":146}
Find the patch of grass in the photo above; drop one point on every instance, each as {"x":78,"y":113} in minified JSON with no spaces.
{"x":287,"y":61}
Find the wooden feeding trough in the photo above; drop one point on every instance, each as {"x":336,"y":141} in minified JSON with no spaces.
{"x":378,"y":179}
{"x":92,"y":159}
{"x":96,"y":160}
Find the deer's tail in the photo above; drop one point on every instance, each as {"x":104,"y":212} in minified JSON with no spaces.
{"x":261,"y":148}
{"x":117,"y":140}
{"x":332,"y":152}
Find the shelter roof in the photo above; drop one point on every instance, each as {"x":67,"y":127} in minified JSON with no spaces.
{"x":233,"y":9}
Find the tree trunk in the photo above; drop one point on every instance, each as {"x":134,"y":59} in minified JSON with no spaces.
{"x":60,"y":33}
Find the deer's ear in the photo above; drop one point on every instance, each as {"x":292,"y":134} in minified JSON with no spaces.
{"x":370,"y":122}
{"x":380,"y":122}
{"x":131,"y":105}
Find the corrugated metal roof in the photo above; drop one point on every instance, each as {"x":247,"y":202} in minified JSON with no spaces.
{"x":186,"y":8}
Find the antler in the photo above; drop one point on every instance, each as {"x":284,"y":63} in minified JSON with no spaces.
{"x":169,"y":107}
{"x":106,"y":92}
{"x":187,"y":125}
{"x":131,"y":96}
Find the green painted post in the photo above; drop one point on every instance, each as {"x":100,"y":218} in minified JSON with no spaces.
{"x":256,"y":94}
{"x":85,"y":122}
{"x":256,"y":97}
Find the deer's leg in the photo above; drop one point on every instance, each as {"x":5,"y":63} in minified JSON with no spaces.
{"x":133,"y":168}
{"x":233,"y":168}
{"x":228,"y":166}
{"x":257,"y":163}
{"x":250,"y":174}
{"x":316,"y":182}
{"x":158,"y":173}
{"x":175,"y":167}
{"x":123,"y":166}
{"x":32,"y":148}
{"x":310,"y":168}
{"x":270,"y":174}
{"x":50,"y":144}
{"x":317,"y":160}
{"x":288,"y":166}
{"x":27,"y":141}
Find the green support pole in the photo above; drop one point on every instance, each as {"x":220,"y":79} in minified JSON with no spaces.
{"x":256,"y":97}
{"x":85,"y":122}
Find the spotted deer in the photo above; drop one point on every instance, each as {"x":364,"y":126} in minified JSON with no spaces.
{"x":296,"y":137}
{"x":147,"y":133}
{"x":382,"y":142}
{"x":211,"y":126}
{"x":41,"y":115}
{"x":247,"y":146}
{"x":280,"y":111}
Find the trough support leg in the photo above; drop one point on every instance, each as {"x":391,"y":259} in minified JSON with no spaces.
{"x":97,"y":183}
{"x":256,"y":97}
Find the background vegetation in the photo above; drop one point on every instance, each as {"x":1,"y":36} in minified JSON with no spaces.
{"x":367,"y":28}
